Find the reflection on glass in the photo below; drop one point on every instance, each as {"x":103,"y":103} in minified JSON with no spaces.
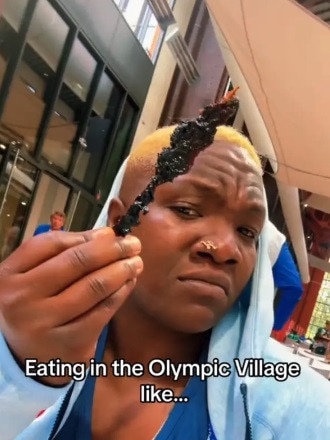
{"x":26,"y":100}
{"x":17,"y":199}
{"x":10,"y":21}
{"x":2,"y":153}
{"x":47,"y":33}
{"x":102,"y":95}
{"x":99,"y":130}
{"x":151,"y":35}
{"x":143,"y":23}
{"x":51,"y":195}
{"x":7,"y":45}
{"x":13,"y":11}
{"x":131,"y":10}
{"x":321,"y":310}
{"x":80,"y":70}
{"x":69,"y":106}
{"x":95,"y":214}
{"x":119,"y":148}
{"x":82,"y":215}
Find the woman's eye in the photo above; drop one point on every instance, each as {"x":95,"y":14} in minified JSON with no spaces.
{"x":248,"y":233}
{"x":184,"y":211}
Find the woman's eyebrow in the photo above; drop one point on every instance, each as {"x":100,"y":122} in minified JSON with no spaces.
{"x":255,"y":208}
{"x":255,"y":203}
{"x":203,"y":187}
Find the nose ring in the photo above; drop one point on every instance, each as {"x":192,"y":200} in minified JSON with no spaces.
{"x":209,"y":245}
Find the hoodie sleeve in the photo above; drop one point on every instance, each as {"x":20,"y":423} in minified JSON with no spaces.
{"x":287,"y":280}
{"x":21,"y":398}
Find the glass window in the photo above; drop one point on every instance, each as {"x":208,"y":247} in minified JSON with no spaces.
{"x":26,"y":101}
{"x":12,"y":14}
{"x":13,"y":11}
{"x":2,"y":152}
{"x":81,"y":216}
{"x":95,"y":214}
{"x":69,"y":106}
{"x":143,"y":23}
{"x":150,"y":34}
{"x":50,"y":196}
{"x":321,"y":312}
{"x":99,"y":130}
{"x":102,"y":96}
{"x":47,"y":33}
{"x":7,"y":45}
{"x":131,"y":10}
{"x":15,"y":196}
{"x":119,"y":149}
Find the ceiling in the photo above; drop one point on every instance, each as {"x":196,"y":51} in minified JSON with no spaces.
{"x":279,"y":55}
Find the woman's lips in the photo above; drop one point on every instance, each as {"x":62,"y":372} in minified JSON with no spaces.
{"x":205,"y":285}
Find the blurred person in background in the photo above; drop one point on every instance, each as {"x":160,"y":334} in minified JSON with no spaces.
{"x":11,"y":239}
{"x":322,"y":339}
{"x":57,"y":221}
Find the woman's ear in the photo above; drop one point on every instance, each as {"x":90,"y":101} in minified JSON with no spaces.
{"x":115,"y":211}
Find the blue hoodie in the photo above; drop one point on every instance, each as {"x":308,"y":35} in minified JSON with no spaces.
{"x":240,"y":408}
{"x":287,"y":280}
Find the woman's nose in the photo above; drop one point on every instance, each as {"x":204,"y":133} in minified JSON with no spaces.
{"x":222,"y":247}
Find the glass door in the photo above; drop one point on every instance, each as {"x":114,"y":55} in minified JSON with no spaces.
{"x":51,"y":196}
{"x":80,"y":213}
{"x":17,"y":182}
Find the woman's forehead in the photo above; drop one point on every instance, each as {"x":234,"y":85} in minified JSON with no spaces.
{"x":222,"y":161}
{"x":216,"y":188}
{"x":224,"y":152}
{"x":225,"y":163}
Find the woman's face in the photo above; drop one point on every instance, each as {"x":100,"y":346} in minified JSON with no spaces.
{"x":188,"y":285}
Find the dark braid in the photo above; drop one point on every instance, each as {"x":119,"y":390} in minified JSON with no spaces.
{"x":187,"y":141}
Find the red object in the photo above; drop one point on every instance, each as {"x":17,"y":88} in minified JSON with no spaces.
{"x":40,"y":413}
{"x":303,"y":312}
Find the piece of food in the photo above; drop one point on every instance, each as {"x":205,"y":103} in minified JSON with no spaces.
{"x":188,"y":139}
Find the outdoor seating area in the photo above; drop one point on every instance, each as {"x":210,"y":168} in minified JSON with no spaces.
{"x":318,"y":362}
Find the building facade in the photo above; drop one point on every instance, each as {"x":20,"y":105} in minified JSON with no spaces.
{"x":69,"y":106}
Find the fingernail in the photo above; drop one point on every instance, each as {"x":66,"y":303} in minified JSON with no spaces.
{"x":138,"y":264}
{"x":133,"y":242}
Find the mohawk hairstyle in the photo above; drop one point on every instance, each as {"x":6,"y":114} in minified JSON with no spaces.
{"x":143,"y":157}
{"x":183,"y":143}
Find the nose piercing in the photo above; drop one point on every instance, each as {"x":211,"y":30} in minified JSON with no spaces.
{"x":209,"y":245}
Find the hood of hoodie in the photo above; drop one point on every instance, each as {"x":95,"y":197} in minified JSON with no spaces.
{"x":243,"y":333}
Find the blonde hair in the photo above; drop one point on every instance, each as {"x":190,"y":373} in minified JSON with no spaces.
{"x":144,"y":155}
{"x":58,"y":214}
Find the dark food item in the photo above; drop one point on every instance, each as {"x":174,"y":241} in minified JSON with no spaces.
{"x":188,"y":139}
